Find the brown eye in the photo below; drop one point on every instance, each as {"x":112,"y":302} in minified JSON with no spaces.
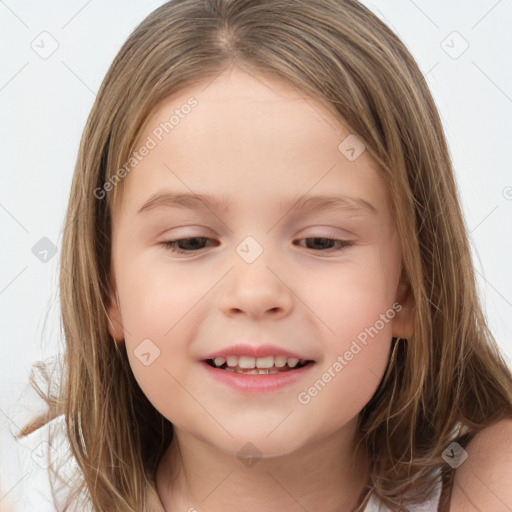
{"x":326,"y":243}
{"x":186,"y":245}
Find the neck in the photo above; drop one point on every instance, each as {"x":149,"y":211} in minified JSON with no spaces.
{"x":326,"y":474}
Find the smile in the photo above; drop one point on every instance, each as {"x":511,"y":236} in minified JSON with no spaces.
{"x":257,"y":366}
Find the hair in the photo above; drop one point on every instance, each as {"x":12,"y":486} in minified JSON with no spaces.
{"x":445,"y":383}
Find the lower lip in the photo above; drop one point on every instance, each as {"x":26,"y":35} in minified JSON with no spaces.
{"x":264,"y":383}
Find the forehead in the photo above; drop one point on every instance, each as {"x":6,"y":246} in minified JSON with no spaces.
{"x":245,"y":135}
{"x":236,"y":104}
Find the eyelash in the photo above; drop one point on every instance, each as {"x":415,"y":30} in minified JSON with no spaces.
{"x":172,"y":245}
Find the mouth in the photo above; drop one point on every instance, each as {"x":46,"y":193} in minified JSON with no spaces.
{"x":258,"y":366}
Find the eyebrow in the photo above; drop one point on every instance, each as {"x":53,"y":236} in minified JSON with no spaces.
{"x":313,"y":203}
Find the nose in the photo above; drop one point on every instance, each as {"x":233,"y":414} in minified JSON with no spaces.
{"x":257,"y":290}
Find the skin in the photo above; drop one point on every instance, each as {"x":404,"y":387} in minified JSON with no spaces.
{"x":258,"y":141}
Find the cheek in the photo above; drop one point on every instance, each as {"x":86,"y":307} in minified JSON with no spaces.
{"x":352,"y":297}
{"x":354,"y":362}
{"x":156,"y":304}
{"x":157,"y":295}
{"x":354,"y":310}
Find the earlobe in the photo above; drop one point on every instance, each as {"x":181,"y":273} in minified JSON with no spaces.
{"x":115,"y":324}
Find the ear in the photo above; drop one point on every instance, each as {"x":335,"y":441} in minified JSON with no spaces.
{"x":115,"y":323}
{"x":403,"y":324}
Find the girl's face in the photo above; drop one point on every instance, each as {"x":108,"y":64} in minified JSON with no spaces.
{"x":254,"y":270}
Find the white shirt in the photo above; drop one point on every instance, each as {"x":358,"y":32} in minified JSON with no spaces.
{"x":375,"y":505}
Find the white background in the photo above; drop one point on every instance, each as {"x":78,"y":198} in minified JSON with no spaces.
{"x":44,"y":104}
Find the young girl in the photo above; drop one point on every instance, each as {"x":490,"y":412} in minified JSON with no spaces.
{"x":266,"y":283}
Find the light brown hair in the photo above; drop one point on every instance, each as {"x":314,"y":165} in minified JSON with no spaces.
{"x":449,"y":374}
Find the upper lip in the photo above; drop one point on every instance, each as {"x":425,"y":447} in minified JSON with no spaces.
{"x":254,"y":351}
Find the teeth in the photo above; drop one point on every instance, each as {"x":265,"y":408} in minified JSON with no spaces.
{"x":260,"y":363}
{"x":265,"y":362}
{"x":246,"y":362}
{"x":232,"y":360}
{"x":254,"y":371}
{"x":219,"y":361}
{"x":280,"y":361}
{"x":292,"y":362}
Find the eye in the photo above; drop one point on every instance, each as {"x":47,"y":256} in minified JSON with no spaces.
{"x":329,"y":240}
{"x":192,"y":244}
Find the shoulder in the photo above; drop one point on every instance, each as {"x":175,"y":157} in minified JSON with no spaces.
{"x":483,"y":480}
